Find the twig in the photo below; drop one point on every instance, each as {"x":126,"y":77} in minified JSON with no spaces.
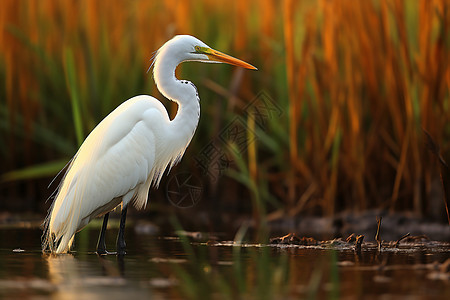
{"x":351,"y":238}
{"x":377,"y":236}
{"x":400,"y":239}
{"x":358,"y":243}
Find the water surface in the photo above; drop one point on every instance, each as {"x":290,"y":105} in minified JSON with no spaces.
{"x":162,"y":267}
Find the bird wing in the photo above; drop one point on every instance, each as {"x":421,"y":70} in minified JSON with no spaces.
{"x":116,"y":158}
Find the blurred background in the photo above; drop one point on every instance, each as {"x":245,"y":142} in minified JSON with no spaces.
{"x":331,"y":123}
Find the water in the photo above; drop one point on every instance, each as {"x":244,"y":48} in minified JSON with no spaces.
{"x":168,"y":268}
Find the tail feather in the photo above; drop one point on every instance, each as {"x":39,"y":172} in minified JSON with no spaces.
{"x":51,"y":238}
{"x":62,"y":220}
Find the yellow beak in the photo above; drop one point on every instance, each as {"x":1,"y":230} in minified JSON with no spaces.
{"x":225,"y":58}
{"x":215,"y":55}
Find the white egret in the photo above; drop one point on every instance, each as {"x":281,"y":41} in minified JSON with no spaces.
{"x":129,"y":150}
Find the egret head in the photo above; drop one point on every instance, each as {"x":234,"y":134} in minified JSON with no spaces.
{"x":188,"y":48}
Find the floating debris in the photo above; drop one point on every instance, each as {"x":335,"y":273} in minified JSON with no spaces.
{"x":168,"y":260}
{"x":381,"y":279}
{"x":293,"y":239}
{"x":400,"y":239}
{"x":163,"y":282}
{"x":196,"y":235}
{"x":416,"y":238}
{"x":345,"y":263}
{"x":212,"y":242}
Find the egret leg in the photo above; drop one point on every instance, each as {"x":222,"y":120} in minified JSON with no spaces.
{"x":121,"y":245}
{"x":101,"y":245}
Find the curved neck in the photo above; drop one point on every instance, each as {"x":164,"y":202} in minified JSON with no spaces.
{"x":182,"y":92}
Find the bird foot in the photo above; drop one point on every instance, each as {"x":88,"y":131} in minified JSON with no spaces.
{"x":103,"y":252}
{"x":121,"y":250}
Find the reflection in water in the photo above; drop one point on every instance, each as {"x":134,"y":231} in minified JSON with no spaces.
{"x":108,"y":267}
{"x":98,"y":277}
{"x":167,"y":268}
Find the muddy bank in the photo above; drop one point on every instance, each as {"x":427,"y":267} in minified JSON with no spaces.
{"x":393,"y":226}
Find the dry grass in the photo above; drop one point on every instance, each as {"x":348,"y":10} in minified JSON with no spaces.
{"x":357,"y":81}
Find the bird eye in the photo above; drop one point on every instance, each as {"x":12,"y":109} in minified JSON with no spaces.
{"x":198,"y":48}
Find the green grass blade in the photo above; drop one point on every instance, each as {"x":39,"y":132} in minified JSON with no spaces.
{"x":36,"y":171}
{"x":69,"y":65}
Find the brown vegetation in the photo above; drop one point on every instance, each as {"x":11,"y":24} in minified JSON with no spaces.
{"x":356,"y":81}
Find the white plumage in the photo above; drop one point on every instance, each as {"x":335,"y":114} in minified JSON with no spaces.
{"x":130,"y":149}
